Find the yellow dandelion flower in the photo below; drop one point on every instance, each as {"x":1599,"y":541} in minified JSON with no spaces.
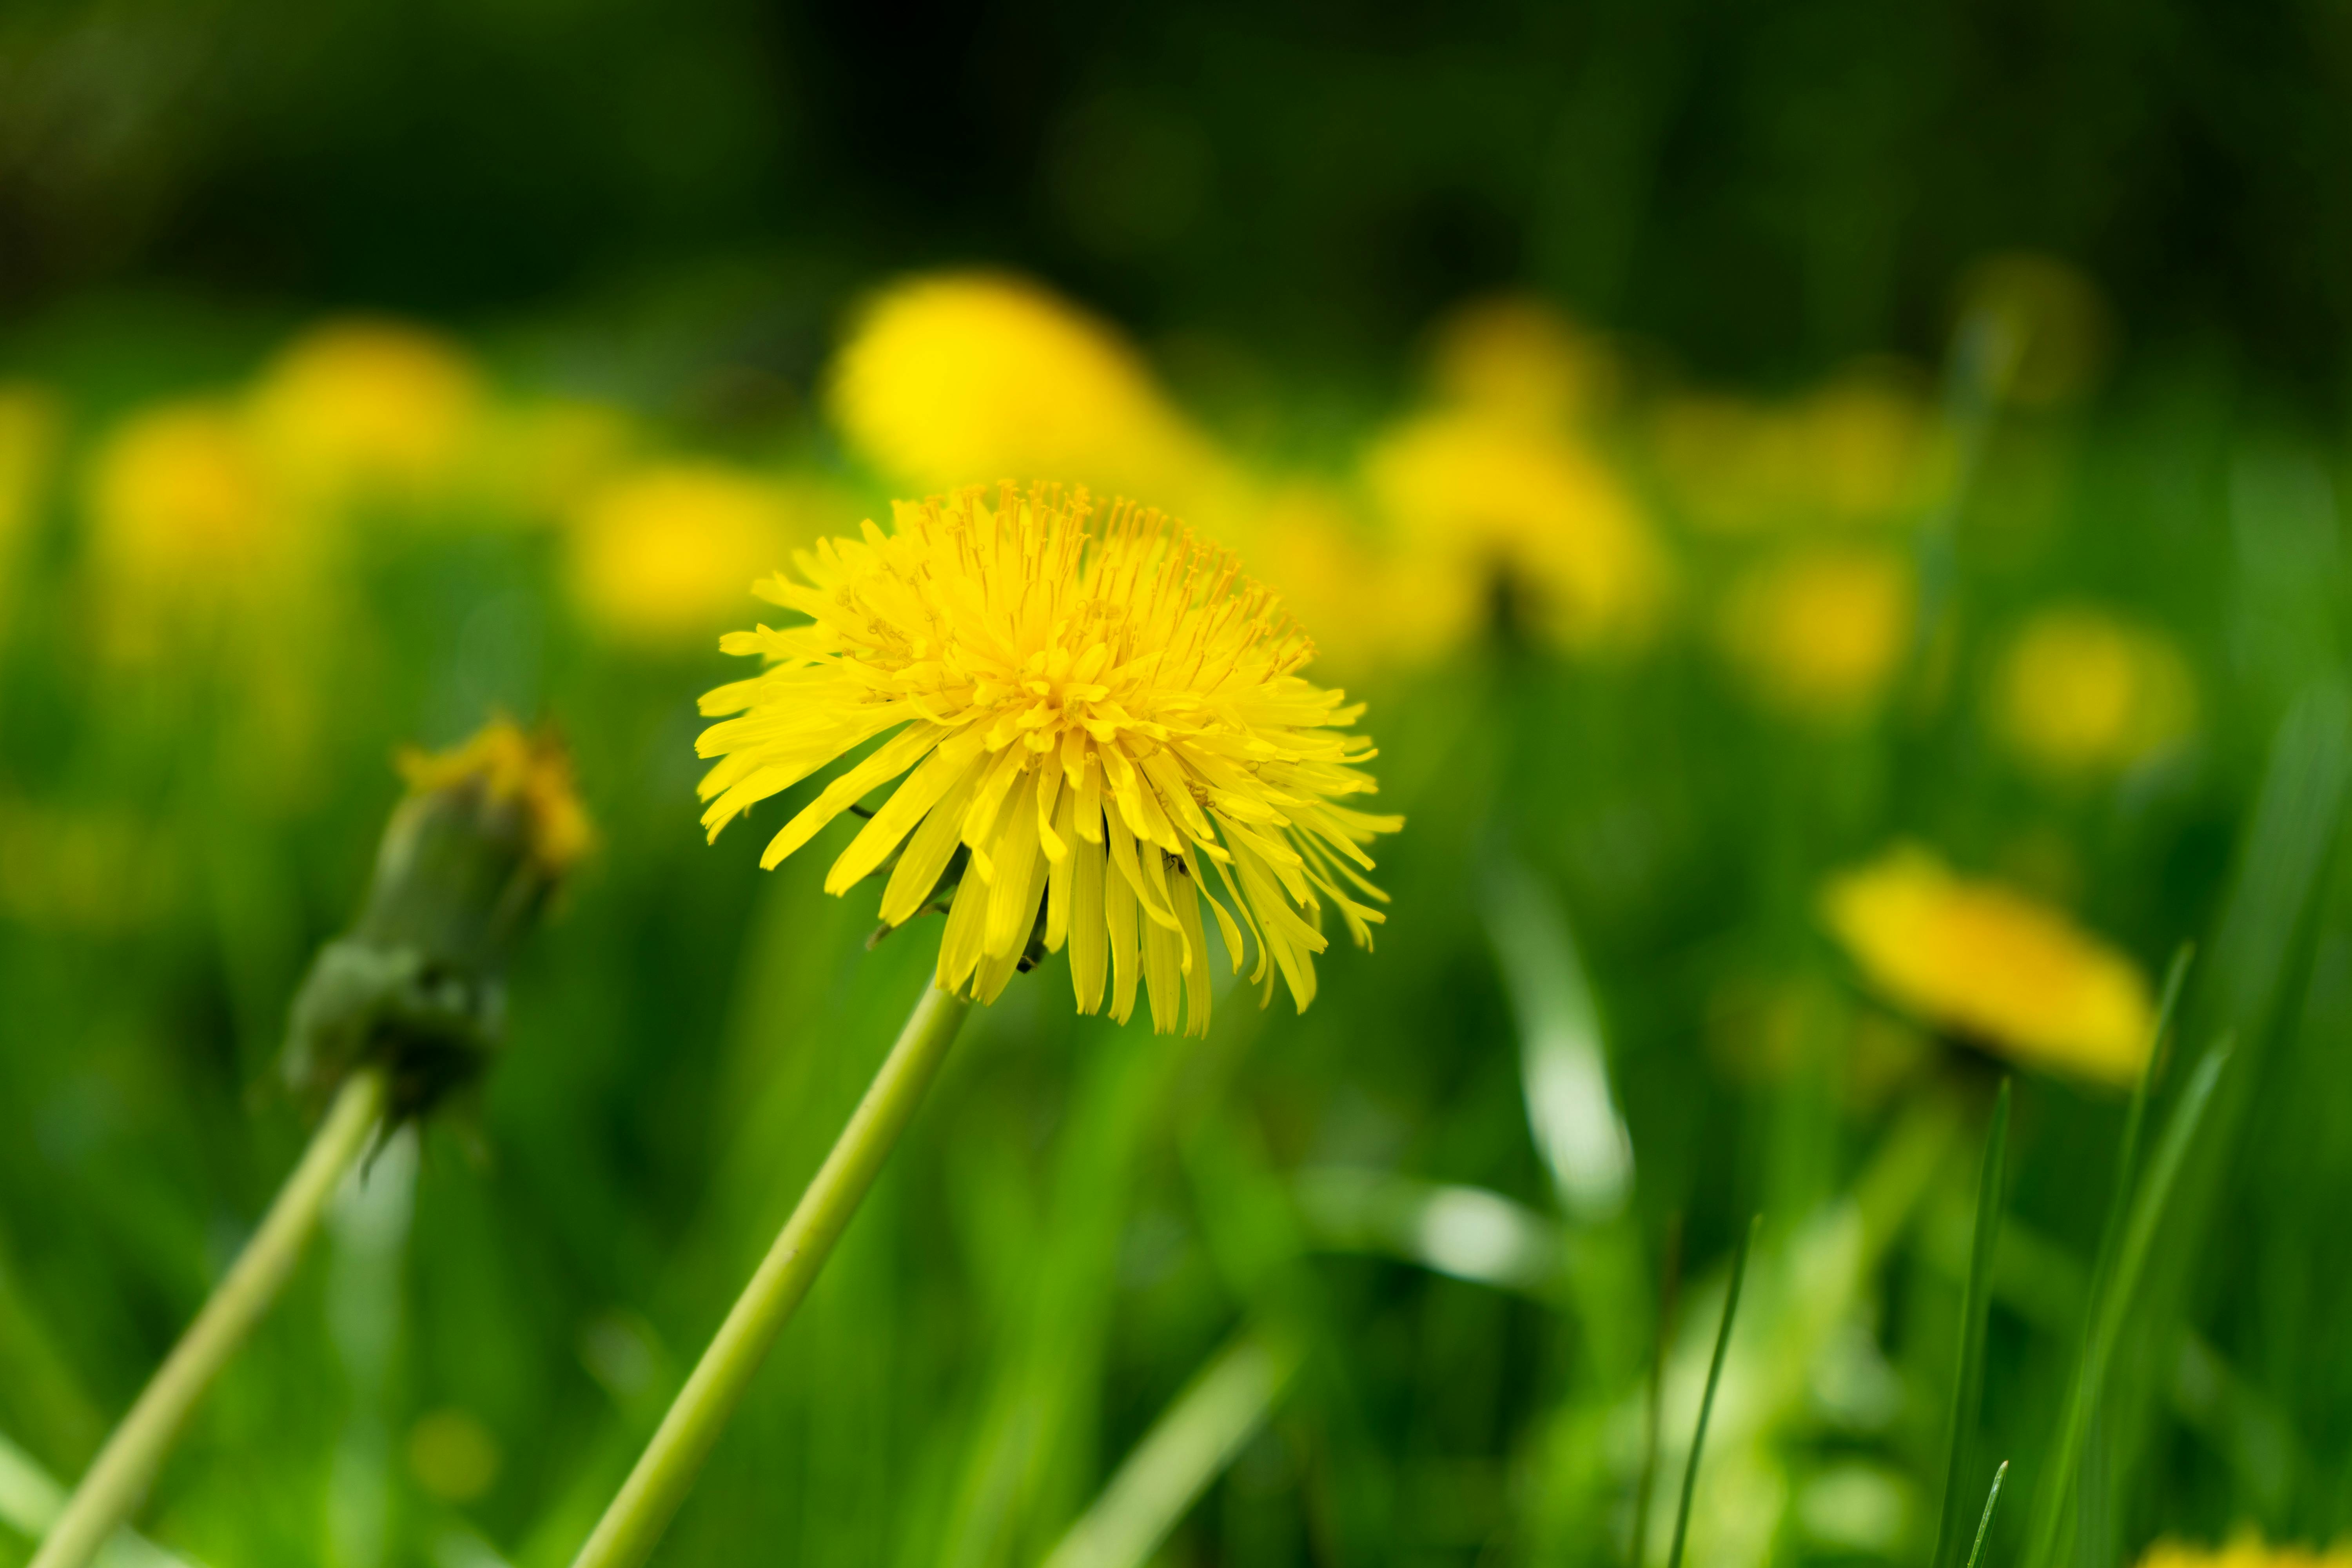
{"x":1100,"y":713}
{"x":515,"y":774}
{"x":1991,"y":963}
{"x":2079,"y":692}
{"x":1875,"y":449}
{"x":953,"y":374}
{"x":1306,"y":545}
{"x":185,"y":523}
{"x":1820,"y":632}
{"x":369,"y":408}
{"x":2247,"y":1551}
{"x":1480,"y":504}
{"x":657,"y":554}
{"x":1518,"y":358}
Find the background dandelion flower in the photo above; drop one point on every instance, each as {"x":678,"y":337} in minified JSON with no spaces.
{"x":1480,"y":503}
{"x":1820,"y":632}
{"x":655,"y":553}
{"x":953,"y":374}
{"x":2079,"y":692}
{"x":2000,"y":967}
{"x":1099,"y":720}
{"x":2247,"y":1551}
{"x":362,"y":407}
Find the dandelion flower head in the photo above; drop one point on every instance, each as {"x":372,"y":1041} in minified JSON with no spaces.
{"x":2000,"y":967}
{"x":655,"y":551}
{"x":2079,"y":692}
{"x":1820,"y":632}
{"x":185,"y":523}
{"x":950,"y":374}
{"x":368,"y":407}
{"x":1102,"y":716}
{"x":1521,"y":359}
{"x":1479,"y":502}
{"x":529,"y":776}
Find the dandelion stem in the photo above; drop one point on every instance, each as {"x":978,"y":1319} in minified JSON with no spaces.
{"x":665,"y":1473}
{"x":118,"y":1479}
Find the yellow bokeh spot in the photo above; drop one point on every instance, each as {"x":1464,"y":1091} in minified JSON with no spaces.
{"x":954,"y":378}
{"x":1865,"y":448}
{"x":664,"y":555}
{"x":1821,"y":632}
{"x":183,"y":518}
{"x":1483,"y":507}
{"x":1518,"y":358}
{"x":366,"y":408}
{"x":1992,"y":964}
{"x":2079,"y":692}
{"x":452,"y":1456}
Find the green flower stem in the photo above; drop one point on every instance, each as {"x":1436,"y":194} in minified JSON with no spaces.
{"x":118,"y":1479}
{"x":625,"y":1537}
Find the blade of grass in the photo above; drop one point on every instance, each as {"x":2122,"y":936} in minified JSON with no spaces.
{"x":2136,"y":1120}
{"x":1186,"y":1449}
{"x":1984,"y":1521}
{"x":2115,"y":1299}
{"x":1968,"y":1393}
{"x":1669,"y":1286}
{"x":1707,"y":1400}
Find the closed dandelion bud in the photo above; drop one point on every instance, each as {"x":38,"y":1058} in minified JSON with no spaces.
{"x":470,"y":857}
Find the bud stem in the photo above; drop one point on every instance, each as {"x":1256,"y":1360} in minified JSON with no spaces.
{"x":665,"y":1473}
{"x":118,"y":1479}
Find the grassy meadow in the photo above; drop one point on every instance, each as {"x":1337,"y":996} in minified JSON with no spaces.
{"x":1783,"y":769}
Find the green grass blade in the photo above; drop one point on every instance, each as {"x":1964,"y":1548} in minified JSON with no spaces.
{"x":1984,"y":1520}
{"x":1707,"y":1400}
{"x":2115,"y":1299}
{"x":2135,"y":1121}
{"x":1976,"y":1310}
{"x":1187,"y":1450}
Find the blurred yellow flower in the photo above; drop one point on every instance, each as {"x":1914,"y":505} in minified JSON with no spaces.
{"x":2079,"y":692}
{"x":1877,"y":450}
{"x":1485,"y":510}
{"x":1097,"y":710}
{"x":1518,"y":358}
{"x":185,"y":521}
{"x":2246,"y":1551}
{"x":1820,"y":632}
{"x":368,"y":409}
{"x":660,"y":556}
{"x":1866,"y":448}
{"x":1991,"y":964}
{"x":532,"y":773}
{"x":956,"y":377}
{"x":1306,"y":545}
